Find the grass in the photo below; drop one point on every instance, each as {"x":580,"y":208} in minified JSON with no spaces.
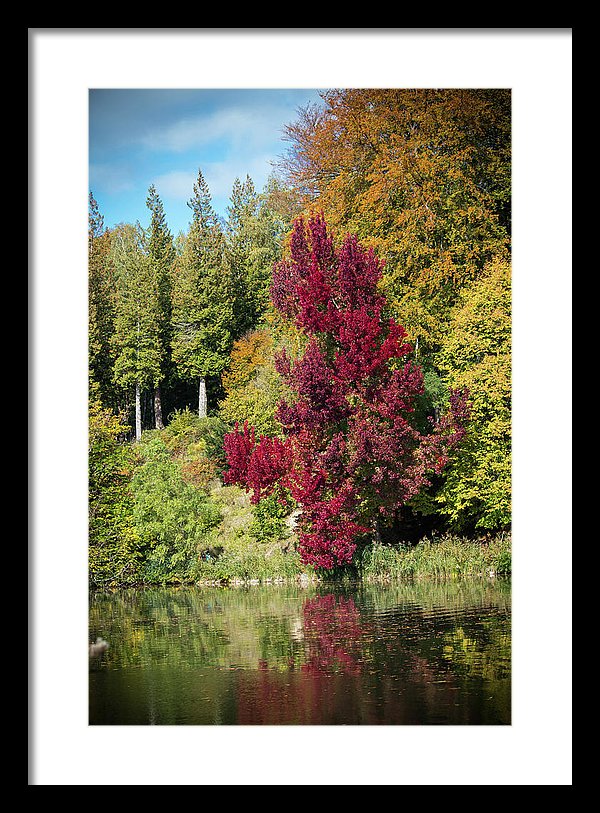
{"x":245,"y":559}
{"x":242,"y":557}
{"x":446,"y":557}
{"x":252,"y":567}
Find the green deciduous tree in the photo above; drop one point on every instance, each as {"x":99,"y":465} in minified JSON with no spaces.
{"x":477,"y":354}
{"x":113,"y":547}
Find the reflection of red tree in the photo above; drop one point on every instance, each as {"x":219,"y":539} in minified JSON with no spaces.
{"x":332,"y":630}
{"x":339,"y":681}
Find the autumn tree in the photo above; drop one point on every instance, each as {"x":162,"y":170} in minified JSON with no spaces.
{"x":476,"y":353}
{"x":349,"y":456}
{"x":137,"y":339}
{"x":282,"y":200}
{"x":423,"y":176}
{"x":202,"y":301}
{"x":161,"y":253}
{"x":253,"y":388}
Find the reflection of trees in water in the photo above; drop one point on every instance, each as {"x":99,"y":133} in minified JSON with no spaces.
{"x":289,"y":655}
{"x":283,"y":629}
{"x":332,"y":634}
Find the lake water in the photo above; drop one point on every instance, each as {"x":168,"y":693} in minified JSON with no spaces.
{"x":408,"y":654}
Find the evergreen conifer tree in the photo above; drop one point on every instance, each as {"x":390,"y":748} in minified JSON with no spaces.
{"x":202,"y":309}
{"x":253,"y":246}
{"x":162,"y":254}
{"x":100,"y":307}
{"x":137,"y":339}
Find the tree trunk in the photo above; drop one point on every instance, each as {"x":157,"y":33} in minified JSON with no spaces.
{"x":202,"y":399}
{"x":138,"y":413}
{"x":158,"y":418}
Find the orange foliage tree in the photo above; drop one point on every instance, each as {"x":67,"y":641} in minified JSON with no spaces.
{"x":422,"y":176}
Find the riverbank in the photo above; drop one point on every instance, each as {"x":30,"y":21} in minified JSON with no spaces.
{"x":446,"y":557}
{"x":438,"y":558}
{"x":250,"y":557}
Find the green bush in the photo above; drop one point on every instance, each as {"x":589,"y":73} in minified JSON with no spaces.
{"x":269,"y":518}
{"x":251,"y":564}
{"x":173,"y":517}
{"x":189,"y":435}
{"x":113,"y":542}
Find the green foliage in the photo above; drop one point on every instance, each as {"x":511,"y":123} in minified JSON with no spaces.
{"x":161,"y":253}
{"x":100,"y":307}
{"x":114,"y":544}
{"x":137,"y":337}
{"x":270,"y":516}
{"x":253,"y":388}
{"x":202,"y":297}
{"x":252,"y":564}
{"x":447,"y":557}
{"x":255,"y":401}
{"x":433,"y":401}
{"x":172,"y":516}
{"x":476,"y":354}
{"x":197,"y":443}
{"x":247,"y":544}
{"x":202,"y":309}
{"x":253,"y":245}
{"x":186,"y":428}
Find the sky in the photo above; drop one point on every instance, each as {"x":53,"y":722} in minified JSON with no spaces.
{"x":163,"y":137}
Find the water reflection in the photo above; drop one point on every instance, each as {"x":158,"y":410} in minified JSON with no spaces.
{"x":274,"y":655}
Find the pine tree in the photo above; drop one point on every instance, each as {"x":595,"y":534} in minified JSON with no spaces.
{"x":162,"y":254}
{"x":137,"y":339}
{"x":253,"y":246}
{"x":202,"y":309}
{"x":100,"y":307}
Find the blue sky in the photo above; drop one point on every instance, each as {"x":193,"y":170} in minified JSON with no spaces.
{"x":163,"y":137}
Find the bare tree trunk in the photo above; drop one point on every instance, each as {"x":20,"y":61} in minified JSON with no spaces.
{"x":158,"y":418}
{"x":202,"y":403}
{"x":138,"y":412}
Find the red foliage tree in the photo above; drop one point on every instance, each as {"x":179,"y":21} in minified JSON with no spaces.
{"x":350,"y":455}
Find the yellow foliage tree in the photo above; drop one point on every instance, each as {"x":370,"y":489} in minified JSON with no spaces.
{"x":423,"y":176}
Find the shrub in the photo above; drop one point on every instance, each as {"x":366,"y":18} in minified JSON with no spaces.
{"x":270,"y":515}
{"x":172,"y":516}
{"x":113,"y":545}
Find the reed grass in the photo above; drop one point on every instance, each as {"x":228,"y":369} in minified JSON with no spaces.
{"x":444,"y":557}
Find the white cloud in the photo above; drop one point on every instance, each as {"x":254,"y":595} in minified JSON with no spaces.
{"x":219,"y":175}
{"x":110,"y":178}
{"x":241,"y":126}
{"x":177,"y":184}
